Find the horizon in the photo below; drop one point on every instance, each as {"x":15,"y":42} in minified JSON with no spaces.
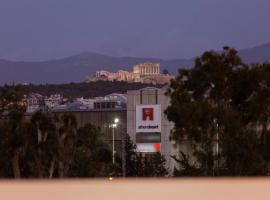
{"x":124,"y":56}
{"x":37,"y":31}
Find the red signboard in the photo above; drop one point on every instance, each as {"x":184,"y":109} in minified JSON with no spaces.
{"x":148,"y":114}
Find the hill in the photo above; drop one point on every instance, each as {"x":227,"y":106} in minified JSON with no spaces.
{"x":76,"y":68}
{"x":257,"y":54}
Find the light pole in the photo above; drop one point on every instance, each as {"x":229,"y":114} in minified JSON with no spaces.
{"x":114,"y":125}
{"x":217,"y":146}
{"x":217,"y":151}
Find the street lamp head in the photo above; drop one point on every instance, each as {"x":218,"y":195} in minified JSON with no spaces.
{"x":114,"y":125}
{"x":116,"y":120}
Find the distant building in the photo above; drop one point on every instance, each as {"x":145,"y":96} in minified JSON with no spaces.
{"x":142,"y":73}
{"x":147,"y":69}
{"x":109,"y":102}
{"x":35,"y":102}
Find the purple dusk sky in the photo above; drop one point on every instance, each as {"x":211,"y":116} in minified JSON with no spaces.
{"x":46,"y":29}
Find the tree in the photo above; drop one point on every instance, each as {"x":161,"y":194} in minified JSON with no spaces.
{"x":186,"y":167}
{"x":45,"y":144}
{"x":139,"y":165}
{"x":222,"y":95}
{"x":165,"y":71}
{"x":66,"y":132}
{"x":14,"y":129}
{"x":92,"y":156}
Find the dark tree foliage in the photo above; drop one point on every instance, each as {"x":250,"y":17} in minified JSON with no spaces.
{"x":14,"y":131}
{"x":187,"y":168}
{"x":165,"y":71}
{"x":223,"y":95}
{"x":46,"y":145}
{"x":92,"y":156}
{"x":87,"y":90}
{"x":139,"y":165}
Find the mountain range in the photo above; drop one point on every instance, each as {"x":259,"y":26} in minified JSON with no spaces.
{"x":76,"y":68}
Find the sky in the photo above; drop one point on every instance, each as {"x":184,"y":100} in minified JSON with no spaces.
{"x":49,"y":29}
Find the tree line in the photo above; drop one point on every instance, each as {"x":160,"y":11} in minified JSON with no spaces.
{"x":222,"y":107}
{"x":86,"y":90}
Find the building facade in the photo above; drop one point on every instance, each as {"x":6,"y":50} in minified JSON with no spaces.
{"x":147,"y":69}
{"x":147,"y":124}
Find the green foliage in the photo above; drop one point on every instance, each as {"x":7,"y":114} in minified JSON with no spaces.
{"x":87,"y":90}
{"x":92,"y":157}
{"x":186,"y":168}
{"x":46,"y":145}
{"x":10,"y":100}
{"x":139,"y":165}
{"x":222,"y":95}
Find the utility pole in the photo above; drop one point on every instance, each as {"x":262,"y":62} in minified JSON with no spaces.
{"x":123,"y":138}
{"x":217,"y":147}
{"x":113,"y":126}
{"x":216,"y":152}
{"x":113,"y":155}
{"x":216,"y":162}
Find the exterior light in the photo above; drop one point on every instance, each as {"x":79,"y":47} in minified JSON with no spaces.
{"x":116,"y":120}
{"x":114,"y":125}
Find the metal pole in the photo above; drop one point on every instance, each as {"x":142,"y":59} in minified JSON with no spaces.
{"x":217,"y":151}
{"x":123,"y":133}
{"x":113,"y":147}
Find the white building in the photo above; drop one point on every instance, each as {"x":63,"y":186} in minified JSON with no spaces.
{"x":147,"y":124}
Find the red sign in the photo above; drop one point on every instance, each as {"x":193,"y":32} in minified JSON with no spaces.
{"x":148,"y":114}
{"x":157,"y":147}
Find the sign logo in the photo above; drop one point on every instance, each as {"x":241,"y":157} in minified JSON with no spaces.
{"x":148,"y":114}
{"x":148,"y":118}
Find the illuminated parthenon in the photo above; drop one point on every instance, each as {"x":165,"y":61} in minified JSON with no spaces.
{"x":143,"y":73}
{"x":146,"y":68}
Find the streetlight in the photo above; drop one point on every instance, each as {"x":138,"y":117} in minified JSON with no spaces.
{"x":116,"y":120}
{"x":114,"y":125}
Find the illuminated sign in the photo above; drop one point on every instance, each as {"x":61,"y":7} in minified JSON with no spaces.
{"x":148,"y":118}
{"x":148,"y":147}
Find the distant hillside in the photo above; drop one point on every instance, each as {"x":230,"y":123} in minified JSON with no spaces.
{"x":76,"y":68}
{"x":257,"y":54}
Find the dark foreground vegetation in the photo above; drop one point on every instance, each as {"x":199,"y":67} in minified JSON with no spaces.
{"x":222,"y":106}
{"x":47,"y":145}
